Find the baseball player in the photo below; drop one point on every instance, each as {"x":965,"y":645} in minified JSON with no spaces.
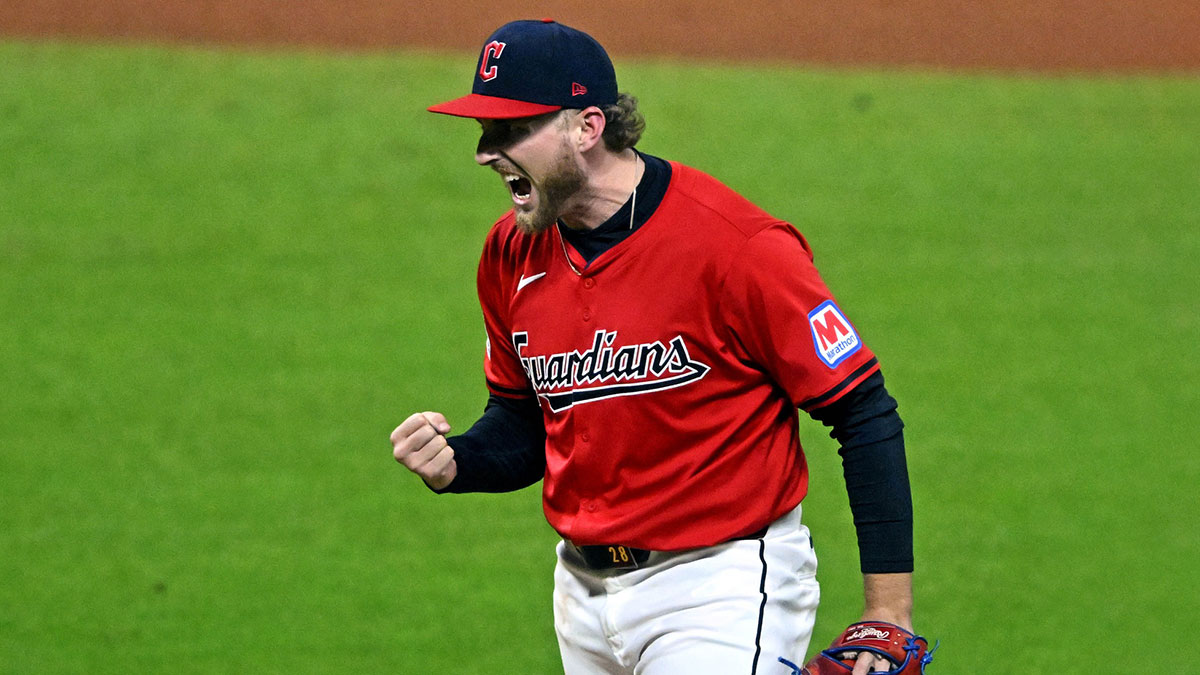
{"x":651,"y":336}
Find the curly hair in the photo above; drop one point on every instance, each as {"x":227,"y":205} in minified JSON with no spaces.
{"x":623,"y":123}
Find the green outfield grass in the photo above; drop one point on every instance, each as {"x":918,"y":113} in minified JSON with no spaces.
{"x":225,"y":277}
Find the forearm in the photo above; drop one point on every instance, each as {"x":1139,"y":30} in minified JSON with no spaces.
{"x":869,"y":430}
{"x":880,"y":498}
{"x":503,"y":451}
{"x":867,"y":426}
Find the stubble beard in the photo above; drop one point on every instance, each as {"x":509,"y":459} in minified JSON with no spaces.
{"x":563,"y":182}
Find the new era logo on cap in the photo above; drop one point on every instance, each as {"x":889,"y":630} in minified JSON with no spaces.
{"x":529,"y":68}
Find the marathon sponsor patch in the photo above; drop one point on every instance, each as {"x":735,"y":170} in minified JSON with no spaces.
{"x":833,"y":336}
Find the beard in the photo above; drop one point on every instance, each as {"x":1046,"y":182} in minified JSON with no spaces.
{"x":562,"y":182}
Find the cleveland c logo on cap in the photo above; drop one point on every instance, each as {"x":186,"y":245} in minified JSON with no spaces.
{"x":493,"y":50}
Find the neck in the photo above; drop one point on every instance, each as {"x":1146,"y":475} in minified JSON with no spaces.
{"x":612,"y":179}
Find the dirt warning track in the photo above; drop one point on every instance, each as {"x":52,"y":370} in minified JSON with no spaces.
{"x":1056,"y":35}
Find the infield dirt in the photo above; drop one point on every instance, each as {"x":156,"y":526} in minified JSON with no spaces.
{"x":1058,"y":35}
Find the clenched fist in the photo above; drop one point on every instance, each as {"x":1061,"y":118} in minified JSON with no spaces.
{"x":420,"y":445}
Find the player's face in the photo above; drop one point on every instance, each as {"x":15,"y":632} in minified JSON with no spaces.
{"x":537,"y":165}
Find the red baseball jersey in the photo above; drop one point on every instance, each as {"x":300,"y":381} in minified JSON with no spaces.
{"x":669,"y":370}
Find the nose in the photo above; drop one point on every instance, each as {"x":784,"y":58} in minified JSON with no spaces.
{"x":485,"y":154}
{"x":493,"y":138}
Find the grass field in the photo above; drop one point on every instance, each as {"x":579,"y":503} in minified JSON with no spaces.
{"x":225,"y":277}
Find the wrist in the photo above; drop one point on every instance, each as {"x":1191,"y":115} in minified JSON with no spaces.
{"x":903,"y":620}
{"x":888,"y":598}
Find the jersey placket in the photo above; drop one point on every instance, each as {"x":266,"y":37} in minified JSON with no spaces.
{"x":581,"y":415}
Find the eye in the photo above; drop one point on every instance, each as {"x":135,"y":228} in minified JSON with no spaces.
{"x":517,"y":129}
{"x":503,"y":133}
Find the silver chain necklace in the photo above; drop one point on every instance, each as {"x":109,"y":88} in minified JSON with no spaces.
{"x":562,"y":242}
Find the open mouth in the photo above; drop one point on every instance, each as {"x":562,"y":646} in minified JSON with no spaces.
{"x":519,"y":186}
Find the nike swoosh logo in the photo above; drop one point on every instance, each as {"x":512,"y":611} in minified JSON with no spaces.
{"x":525,"y":281}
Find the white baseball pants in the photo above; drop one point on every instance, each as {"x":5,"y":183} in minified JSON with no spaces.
{"x":730,"y":609}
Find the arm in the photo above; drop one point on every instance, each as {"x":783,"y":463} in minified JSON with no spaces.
{"x":867,"y":426}
{"x":503,"y":451}
{"x":865,"y":423}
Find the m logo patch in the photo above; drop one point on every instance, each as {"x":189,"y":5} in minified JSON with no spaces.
{"x":833,"y":336}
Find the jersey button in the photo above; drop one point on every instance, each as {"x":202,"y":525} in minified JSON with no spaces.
{"x":589,"y":283}
{"x":585,"y":437}
{"x":591,"y":507}
{"x":587,"y":315}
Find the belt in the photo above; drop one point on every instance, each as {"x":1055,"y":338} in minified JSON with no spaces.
{"x":621,"y":557}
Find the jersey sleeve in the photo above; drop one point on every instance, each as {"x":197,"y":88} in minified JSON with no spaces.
{"x":501,"y":365}
{"x":782,"y":317}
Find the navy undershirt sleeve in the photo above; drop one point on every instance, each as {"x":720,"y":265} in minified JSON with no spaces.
{"x":869,"y":429}
{"x":504,"y":450}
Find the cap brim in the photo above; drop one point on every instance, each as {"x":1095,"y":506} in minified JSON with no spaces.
{"x":491,"y":108}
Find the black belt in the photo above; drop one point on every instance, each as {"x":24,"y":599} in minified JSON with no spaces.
{"x":621,"y":557}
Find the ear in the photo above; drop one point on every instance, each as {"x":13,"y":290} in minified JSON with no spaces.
{"x":588,"y":130}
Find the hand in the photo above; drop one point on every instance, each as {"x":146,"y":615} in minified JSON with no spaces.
{"x":871,"y":663}
{"x":419,"y":443}
{"x":873,"y":646}
{"x":868,"y":662}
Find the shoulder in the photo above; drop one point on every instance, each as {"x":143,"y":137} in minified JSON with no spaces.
{"x":720,"y":205}
{"x":727,"y":221}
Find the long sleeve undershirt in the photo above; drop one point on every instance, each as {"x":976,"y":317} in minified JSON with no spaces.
{"x":868,"y":428}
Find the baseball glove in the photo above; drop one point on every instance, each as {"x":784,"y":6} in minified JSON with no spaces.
{"x":908,"y":653}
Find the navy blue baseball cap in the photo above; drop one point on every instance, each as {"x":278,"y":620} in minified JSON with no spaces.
{"x":531,"y":68}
